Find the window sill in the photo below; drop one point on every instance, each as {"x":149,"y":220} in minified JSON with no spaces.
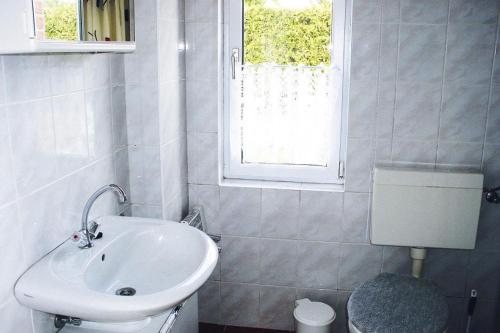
{"x":228,"y":182}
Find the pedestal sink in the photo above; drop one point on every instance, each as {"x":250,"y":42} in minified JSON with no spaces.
{"x":138,"y":269}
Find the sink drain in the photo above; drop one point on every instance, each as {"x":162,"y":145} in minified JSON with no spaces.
{"x":127,"y":291}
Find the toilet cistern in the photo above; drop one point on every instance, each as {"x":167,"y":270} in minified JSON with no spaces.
{"x":88,"y":233}
{"x":425,"y":208}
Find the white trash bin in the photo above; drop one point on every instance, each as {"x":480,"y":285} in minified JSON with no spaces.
{"x":312,"y":317}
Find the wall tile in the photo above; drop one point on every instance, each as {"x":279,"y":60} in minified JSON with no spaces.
{"x":383,"y":151}
{"x":390,"y":11}
{"x":15,"y":317}
{"x":457,"y":308}
{"x":7,"y":179}
{"x":470,"y":53}
{"x":421,"y":152}
{"x":97,"y":72}
{"x":358,"y":263}
{"x":150,"y":114}
{"x":172,"y":111}
{"x":66,"y":73}
{"x":99,"y":114}
{"x":355,"y":222}
{"x":464,"y":113}
{"x":33,"y":144}
{"x":145,"y":171}
{"x":280,"y":213}
{"x":207,"y":196}
{"x":147,"y":211}
{"x":358,"y":166}
{"x":493,"y":125}
{"x":473,"y":11}
{"x":365,"y":49}
{"x":205,"y":48}
{"x":491,"y":165}
{"x":276,"y":307}
{"x":172,"y":10}
{"x":496,"y":65}
{"x":318,"y":265}
{"x":49,"y":221}
{"x":26,"y":77}
{"x":278,"y":262}
{"x":209,"y":300}
{"x":483,"y":274}
{"x":485,"y":317}
{"x":12,"y":251}
{"x":421,"y":54}
{"x":70,"y":122}
{"x":389,"y":51}
{"x":202,"y":106}
{"x":321,"y":216}
{"x":441,"y":264}
{"x":488,"y":233}
{"x":240,"y":260}
{"x":459,"y":153}
{"x":117,"y":69}
{"x":171,"y":63}
{"x":119,"y":116}
{"x":240,"y":304}
{"x":396,"y":260}
{"x":417,"y":111}
{"x":2,"y":82}
{"x":202,"y":10}
{"x":240,"y":211}
{"x":363,"y":106}
{"x":366,"y":11}
{"x":426,"y":11}
{"x":122,"y":170}
{"x":205,"y":158}
{"x":385,"y":110}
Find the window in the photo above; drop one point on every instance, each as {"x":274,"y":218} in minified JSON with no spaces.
{"x":284,"y":90}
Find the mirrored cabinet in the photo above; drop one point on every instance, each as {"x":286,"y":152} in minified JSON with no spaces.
{"x":39,"y":26}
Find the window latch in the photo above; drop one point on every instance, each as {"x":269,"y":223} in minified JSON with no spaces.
{"x":341,"y":170}
{"x":235,"y":57}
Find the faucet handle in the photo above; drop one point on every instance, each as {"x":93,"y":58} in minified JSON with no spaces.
{"x":80,"y":238}
{"x":93,"y":230}
{"x":93,"y":227}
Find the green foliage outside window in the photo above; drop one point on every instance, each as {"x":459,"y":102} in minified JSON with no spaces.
{"x":287,"y":36}
{"x":60,"y":20}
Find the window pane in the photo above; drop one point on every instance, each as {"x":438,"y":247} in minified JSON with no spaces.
{"x":286,"y":82}
{"x":56,"y":19}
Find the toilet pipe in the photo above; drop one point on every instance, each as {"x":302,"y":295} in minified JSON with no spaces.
{"x":417,"y":255}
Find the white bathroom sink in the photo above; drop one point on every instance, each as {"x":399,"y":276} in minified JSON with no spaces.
{"x":164,"y":262}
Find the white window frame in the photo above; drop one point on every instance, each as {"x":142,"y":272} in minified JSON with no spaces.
{"x":233,"y":168}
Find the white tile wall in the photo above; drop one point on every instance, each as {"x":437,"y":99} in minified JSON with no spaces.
{"x":72,"y":123}
{"x":424,"y":91}
{"x":156,"y":112}
{"x":56,"y":149}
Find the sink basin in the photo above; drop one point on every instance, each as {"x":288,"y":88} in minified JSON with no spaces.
{"x":140,"y":268}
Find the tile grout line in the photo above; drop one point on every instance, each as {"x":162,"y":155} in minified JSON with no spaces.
{"x":490,"y":92}
{"x":395,"y":103}
{"x":443,"y":84}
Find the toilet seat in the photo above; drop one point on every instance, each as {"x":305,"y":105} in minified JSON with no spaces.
{"x":395,"y":303}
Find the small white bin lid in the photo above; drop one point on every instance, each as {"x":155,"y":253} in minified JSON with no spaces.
{"x":313,"y":313}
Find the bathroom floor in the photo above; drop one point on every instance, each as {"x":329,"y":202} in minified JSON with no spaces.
{"x":213,"y":328}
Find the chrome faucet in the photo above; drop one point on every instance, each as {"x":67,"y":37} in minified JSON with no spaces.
{"x":88,"y":233}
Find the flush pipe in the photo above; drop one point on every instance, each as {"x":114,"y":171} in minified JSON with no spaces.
{"x":417,"y":255}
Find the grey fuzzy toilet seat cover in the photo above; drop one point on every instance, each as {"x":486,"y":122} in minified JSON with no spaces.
{"x":393,"y":303}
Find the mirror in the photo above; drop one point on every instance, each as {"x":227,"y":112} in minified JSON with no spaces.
{"x":84,"y":20}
